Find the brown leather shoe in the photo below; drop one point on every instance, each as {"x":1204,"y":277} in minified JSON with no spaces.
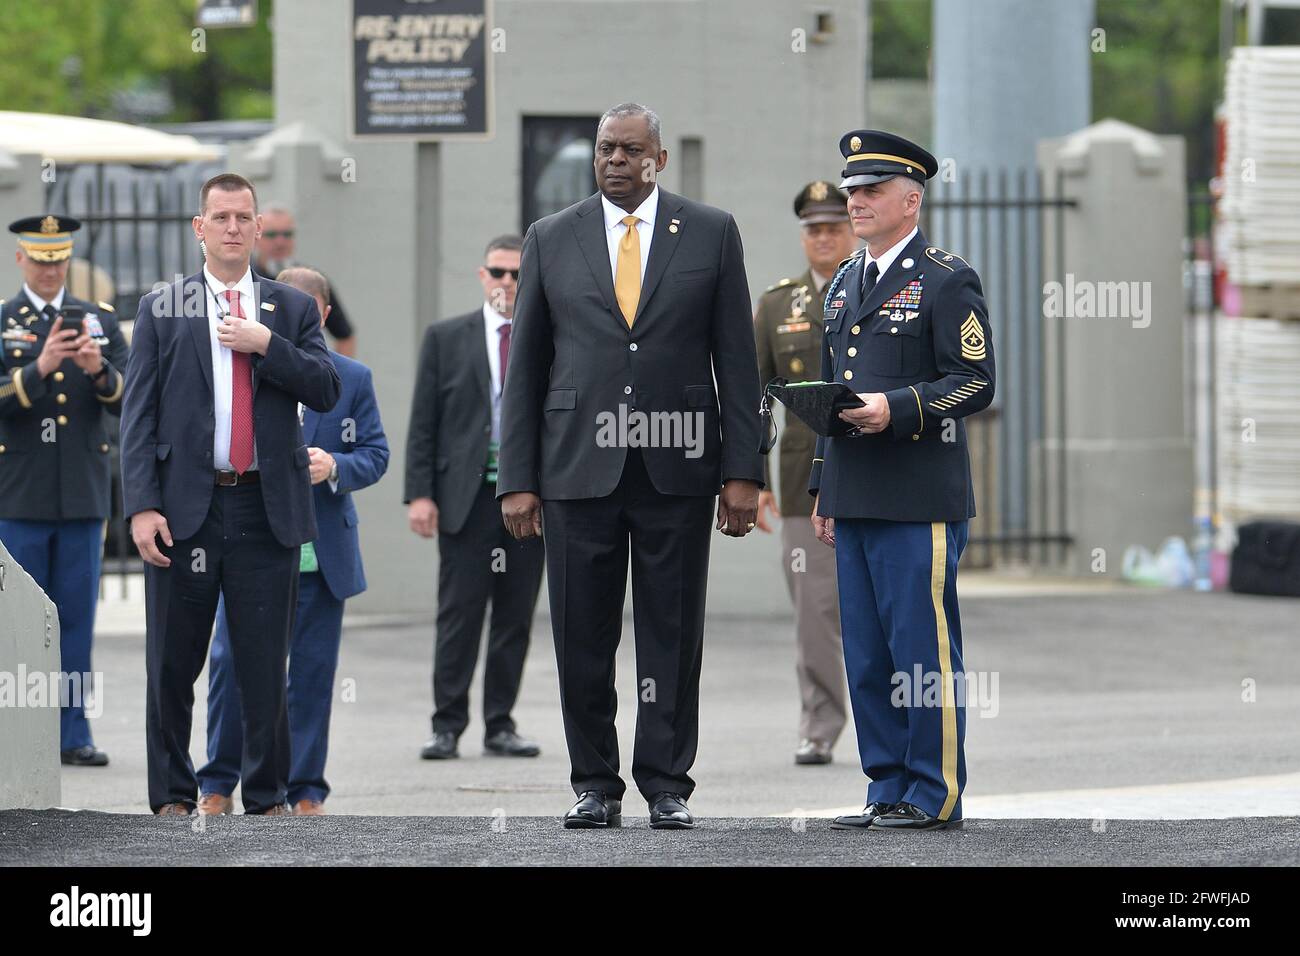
{"x":279,"y":810}
{"x":309,"y":808}
{"x":215,"y":804}
{"x":173,"y":810}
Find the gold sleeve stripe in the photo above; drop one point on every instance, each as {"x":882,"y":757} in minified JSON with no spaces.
{"x":7,"y":389}
{"x":117,"y":392}
{"x":22,"y":392}
{"x":919,"y":410}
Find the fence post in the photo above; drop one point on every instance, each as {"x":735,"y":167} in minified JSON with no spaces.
{"x":1117,"y":448}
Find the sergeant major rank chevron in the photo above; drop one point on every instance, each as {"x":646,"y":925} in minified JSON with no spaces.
{"x":972,"y":339}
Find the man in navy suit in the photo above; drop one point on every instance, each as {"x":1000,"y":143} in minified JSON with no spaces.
{"x":216,"y":482}
{"x":348,"y":452}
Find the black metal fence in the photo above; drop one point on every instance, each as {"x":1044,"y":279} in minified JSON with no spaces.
{"x":1003,"y":223}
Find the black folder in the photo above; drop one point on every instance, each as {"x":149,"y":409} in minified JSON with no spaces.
{"x":817,"y":404}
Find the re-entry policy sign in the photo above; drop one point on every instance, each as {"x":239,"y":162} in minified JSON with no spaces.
{"x":421,"y":69}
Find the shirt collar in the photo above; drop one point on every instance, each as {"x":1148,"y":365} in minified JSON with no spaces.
{"x":614,"y":215}
{"x":40,"y":303}
{"x":493,"y":318}
{"x":887,"y":260}
{"x":244,"y":286}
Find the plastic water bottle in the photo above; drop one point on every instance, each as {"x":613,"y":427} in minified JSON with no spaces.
{"x":1202,"y":546}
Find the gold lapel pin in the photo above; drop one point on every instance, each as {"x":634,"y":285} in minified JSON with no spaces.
{"x":672,"y":225}
{"x":268,"y":306}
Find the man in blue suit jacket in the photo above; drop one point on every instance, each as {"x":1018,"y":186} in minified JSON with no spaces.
{"x":349,"y":452}
{"x":215,"y":479}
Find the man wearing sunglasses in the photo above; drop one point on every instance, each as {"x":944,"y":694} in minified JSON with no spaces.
{"x":451,"y":481}
{"x":275,"y":252}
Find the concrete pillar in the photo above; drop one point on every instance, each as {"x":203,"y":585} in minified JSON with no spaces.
{"x":29,"y":735}
{"x":22,"y":193}
{"x":1113,"y":333}
{"x":1008,"y":73}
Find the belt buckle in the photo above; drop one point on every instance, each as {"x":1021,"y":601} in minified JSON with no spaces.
{"x":227,"y":478}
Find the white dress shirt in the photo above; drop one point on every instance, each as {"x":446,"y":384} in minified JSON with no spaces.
{"x":492,"y":321}
{"x":38,"y":303}
{"x":887,"y":260}
{"x":222,"y":361}
{"x":615,"y":230}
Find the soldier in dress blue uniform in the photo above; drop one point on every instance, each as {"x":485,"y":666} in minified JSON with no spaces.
{"x":907,"y":329}
{"x":60,"y":375}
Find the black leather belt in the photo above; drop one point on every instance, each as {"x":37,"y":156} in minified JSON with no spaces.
{"x":228,"y":478}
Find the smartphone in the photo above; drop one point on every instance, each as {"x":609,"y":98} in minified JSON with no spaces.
{"x":72,"y":316}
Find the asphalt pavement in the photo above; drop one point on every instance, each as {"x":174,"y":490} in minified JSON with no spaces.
{"x":1115,"y":726}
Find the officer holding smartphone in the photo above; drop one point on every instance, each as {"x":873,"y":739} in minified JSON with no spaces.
{"x":60,"y":375}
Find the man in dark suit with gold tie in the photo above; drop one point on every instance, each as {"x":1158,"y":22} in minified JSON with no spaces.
{"x":630,"y":304}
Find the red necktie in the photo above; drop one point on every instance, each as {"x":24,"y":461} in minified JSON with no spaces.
{"x":504,"y":344}
{"x":241,"y":400}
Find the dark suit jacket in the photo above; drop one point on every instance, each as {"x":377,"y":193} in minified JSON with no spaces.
{"x":168,"y":420}
{"x":451,"y":419}
{"x":573,"y":357}
{"x":71,"y":478}
{"x":354,"y":434}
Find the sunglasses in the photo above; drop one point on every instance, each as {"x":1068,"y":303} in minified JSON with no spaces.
{"x":278,"y":234}
{"x":497,"y":273}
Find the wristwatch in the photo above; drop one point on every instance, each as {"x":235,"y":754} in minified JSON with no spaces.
{"x":334,"y":473}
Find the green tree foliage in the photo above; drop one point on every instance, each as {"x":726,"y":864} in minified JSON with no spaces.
{"x":1161,"y":70}
{"x":87,"y":58}
{"x":900,"y":39}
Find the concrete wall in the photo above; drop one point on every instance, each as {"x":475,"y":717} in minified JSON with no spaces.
{"x":402,"y":241}
{"x":29,"y":736}
{"x":1128,"y":449}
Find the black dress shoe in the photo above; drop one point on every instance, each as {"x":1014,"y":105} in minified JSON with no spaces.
{"x":905,"y":816}
{"x":594,"y":811}
{"x":507,"y":743}
{"x":440,"y":747}
{"x":86,"y":756}
{"x":863,"y":820}
{"x":668,"y":812}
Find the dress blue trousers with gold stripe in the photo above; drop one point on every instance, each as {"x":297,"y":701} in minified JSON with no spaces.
{"x":899,"y":619}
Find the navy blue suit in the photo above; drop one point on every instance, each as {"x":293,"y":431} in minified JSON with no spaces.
{"x":354,"y":434}
{"x":241,"y":540}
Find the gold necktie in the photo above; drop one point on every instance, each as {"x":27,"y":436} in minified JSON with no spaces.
{"x":627,"y":273}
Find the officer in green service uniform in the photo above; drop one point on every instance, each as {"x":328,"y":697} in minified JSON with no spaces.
{"x":788,"y":329}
